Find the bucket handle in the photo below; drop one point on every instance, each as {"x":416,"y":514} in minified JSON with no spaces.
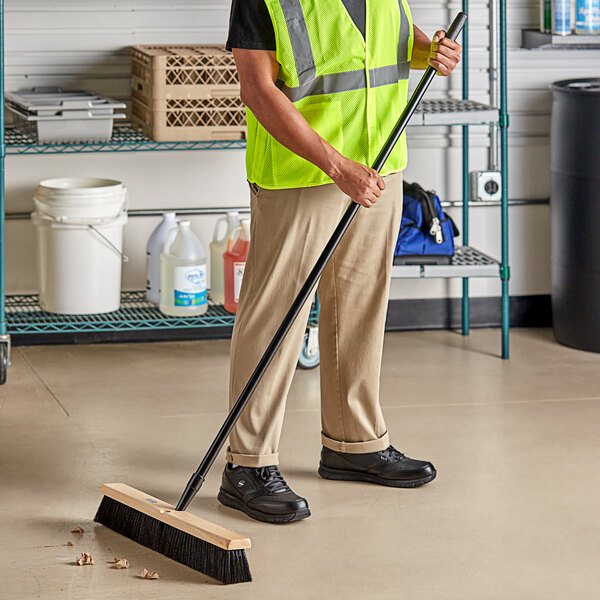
{"x":99,"y":221}
{"x":112,"y":246}
{"x":76,"y":221}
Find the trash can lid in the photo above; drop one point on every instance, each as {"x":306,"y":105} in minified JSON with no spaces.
{"x":578,"y":86}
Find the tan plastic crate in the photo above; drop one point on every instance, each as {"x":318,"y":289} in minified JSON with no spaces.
{"x":199,"y":91}
{"x":189,"y":120}
{"x":183,"y":72}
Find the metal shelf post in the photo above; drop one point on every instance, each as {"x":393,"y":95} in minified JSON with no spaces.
{"x":4,"y":337}
{"x":2,"y":157}
{"x":465,"y":165}
{"x":504,"y":269}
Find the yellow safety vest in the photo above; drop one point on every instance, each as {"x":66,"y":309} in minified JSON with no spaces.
{"x":350,"y":89}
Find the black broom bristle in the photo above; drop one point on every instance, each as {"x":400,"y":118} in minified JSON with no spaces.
{"x":228,"y":566}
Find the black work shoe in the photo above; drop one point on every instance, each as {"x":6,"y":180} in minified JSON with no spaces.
{"x":262,"y":494}
{"x":387,"y":467}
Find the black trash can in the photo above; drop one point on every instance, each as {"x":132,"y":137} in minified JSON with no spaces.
{"x":575,"y":212}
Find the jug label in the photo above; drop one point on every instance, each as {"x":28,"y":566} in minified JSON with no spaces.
{"x":238,"y":274}
{"x":189,"y":284}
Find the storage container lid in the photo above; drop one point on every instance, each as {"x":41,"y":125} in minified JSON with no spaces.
{"x":589,"y":86}
{"x":79,"y":186}
{"x":47,"y":99}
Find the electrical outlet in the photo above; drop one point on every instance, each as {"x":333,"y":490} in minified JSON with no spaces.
{"x":486,"y":186}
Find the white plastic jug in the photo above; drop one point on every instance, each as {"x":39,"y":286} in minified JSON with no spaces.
{"x":183,"y":273}
{"x":154,"y":247}
{"x":218,"y":247}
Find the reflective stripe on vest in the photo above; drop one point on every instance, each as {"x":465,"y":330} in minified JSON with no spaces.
{"x":303,"y":56}
{"x":403,"y":62}
{"x":344,"y":82}
{"x":314,"y":85}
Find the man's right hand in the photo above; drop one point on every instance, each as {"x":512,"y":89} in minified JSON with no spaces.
{"x":363,"y":184}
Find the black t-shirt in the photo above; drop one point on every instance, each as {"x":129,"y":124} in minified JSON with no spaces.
{"x":250,"y":25}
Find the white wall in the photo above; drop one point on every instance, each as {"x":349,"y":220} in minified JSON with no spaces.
{"x":84,"y":44}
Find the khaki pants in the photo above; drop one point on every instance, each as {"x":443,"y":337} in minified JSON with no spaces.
{"x":289,"y":230}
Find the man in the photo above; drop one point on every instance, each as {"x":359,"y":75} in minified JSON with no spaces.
{"x":324,"y":83}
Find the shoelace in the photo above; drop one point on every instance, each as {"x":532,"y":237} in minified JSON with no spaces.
{"x":391,"y":452}
{"x":274,"y":481}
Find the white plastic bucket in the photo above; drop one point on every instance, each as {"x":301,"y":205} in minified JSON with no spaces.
{"x":79,"y":264}
{"x":80,"y":199}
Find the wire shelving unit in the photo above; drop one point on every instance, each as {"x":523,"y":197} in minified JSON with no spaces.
{"x":22,"y":314}
{"x":468,"y":261}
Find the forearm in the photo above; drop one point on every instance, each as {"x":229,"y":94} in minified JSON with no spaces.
{"x":278,"y":115}
{"x":421,"y":48}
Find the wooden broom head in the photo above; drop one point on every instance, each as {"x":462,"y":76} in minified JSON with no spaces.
{"x":182,"y":520}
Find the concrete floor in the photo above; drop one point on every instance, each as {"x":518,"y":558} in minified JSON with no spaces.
{"x":512,"y":515}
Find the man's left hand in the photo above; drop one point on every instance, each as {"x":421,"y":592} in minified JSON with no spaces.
{"x":444,"y":54}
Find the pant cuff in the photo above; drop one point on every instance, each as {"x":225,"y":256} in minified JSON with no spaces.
{"x":357,"y":447}
{"x":252,"y":460}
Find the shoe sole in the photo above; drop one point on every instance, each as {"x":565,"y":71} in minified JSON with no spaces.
{"x":232,"y":502}
{"x":342,"y":475}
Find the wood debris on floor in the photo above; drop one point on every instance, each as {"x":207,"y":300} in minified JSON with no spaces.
{"x":121,"y":563}
{"x":149,"y":574}
{"x":85,"y":559}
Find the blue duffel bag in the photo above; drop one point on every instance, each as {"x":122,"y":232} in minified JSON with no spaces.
{"x":426,"y":233}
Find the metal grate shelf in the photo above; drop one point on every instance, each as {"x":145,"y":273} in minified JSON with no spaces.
{"x":127,"y":139}
{"x":454,"y":112}
{"x":24,"y":315}
{"x":124,"y":139}
{"x":466,"y":262}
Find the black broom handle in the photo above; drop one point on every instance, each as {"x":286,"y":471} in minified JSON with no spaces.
{"x":197,"y":479}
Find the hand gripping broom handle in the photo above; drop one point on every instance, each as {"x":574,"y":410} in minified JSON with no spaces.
{"x":197,"y":479}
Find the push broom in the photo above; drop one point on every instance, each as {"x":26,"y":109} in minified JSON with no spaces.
{"x":180,"y":535}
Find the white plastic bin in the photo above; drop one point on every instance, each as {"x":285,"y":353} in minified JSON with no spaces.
{"x":79,"y":225}
{"x":53,"y":116}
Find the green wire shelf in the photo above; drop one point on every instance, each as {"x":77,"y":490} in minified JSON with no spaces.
{"x":124,"y":139}
{"x":24,"y":315}
{"x":466,"y":262}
